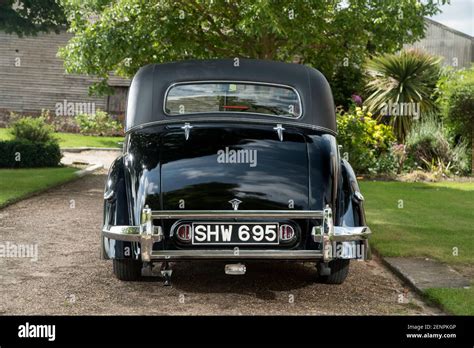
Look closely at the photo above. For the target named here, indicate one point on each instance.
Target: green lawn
(426, 220)
(76, 140)
(18, 183)
(434, 219)
(456, 301)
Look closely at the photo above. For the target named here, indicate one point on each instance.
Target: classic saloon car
(232, 160)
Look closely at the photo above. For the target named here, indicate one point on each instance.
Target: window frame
(227, 112)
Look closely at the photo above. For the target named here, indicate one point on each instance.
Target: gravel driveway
(70, 278)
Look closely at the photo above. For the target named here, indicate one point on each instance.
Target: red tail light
(184, 233)
(287, 232)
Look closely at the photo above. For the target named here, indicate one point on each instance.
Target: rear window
(241, 97)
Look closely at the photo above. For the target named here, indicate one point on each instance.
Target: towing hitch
(166, 272)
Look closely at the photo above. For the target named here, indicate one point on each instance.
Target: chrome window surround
(229, 112)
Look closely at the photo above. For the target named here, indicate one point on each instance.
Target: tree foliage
(28, 17)
(122, 35)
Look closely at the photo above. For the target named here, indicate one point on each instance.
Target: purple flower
(357, 99)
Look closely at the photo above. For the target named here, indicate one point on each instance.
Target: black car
(232, 160)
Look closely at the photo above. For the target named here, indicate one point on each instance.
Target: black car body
(232, 160)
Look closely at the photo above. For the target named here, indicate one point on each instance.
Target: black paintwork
(149, 86)
(161, 168)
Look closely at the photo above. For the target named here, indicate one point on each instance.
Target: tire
(339, 271)
(127, 269)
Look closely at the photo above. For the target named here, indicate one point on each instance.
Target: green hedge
(25, 154)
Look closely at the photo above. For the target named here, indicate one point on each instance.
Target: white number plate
(217, 233)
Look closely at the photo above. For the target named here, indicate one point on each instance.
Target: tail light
(287, 232)
(184, 232)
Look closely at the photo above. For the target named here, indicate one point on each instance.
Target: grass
(432, 220)
(19, 183)
(456, 301)
(76, 140)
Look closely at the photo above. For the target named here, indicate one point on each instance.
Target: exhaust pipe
(235, 269)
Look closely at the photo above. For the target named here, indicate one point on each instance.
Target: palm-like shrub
(394, 80)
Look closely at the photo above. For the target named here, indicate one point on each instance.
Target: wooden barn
(455, 47)
(32, 78)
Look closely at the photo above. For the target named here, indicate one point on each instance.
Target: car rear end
(224, 187)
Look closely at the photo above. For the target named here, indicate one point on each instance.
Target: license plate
(235, 233)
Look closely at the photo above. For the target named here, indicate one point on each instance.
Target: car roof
(150, 84)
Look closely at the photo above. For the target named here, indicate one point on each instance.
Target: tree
(28, 17)
(401, 87)
(122, 35)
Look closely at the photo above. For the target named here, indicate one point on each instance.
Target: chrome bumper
(343, 242)
(146, 234)
(179, 255)
(327, 234)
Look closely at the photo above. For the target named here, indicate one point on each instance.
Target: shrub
(66, 124)
(26, 154)
(347, 81)
(99, 123)
(456, 97)
(33, 129)
(366, 142)
(429, 147)
(397, 79)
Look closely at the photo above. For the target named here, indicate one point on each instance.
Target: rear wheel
(339, 271)
(127, 269)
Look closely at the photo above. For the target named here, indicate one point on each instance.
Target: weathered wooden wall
(33, 78)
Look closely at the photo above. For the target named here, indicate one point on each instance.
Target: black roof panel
(148, 88)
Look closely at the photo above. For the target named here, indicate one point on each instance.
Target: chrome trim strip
(108, 194)
(221, 119)
(359, 196)
(201, 82)
(191, 214)
(240, 254)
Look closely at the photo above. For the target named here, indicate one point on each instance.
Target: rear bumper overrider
(336, 241)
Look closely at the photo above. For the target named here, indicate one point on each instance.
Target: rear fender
(352, 201)
(117, 212)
